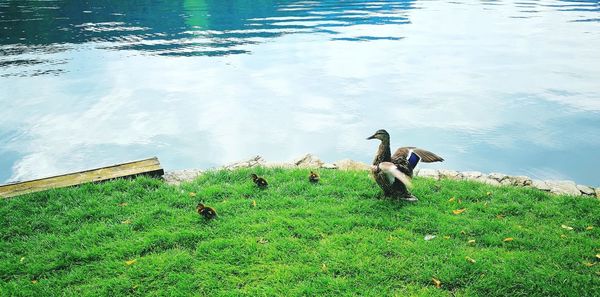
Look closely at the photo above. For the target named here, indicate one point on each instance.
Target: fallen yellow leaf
(463, 232)
(470, 259)
(126, 222)
(436, 282)
(253, 203)
(458, 211)
(563, 236)
(566, 227)
(588, 264)
(34, 281)
(130, 262)
(262, 240)
(508, 239)
(324, 267)
(192, 194)
(589, 228)
(135, 287)
(22, 259)
(598, 256)
(446, 237)
(471, 241)
(451, 199)
(123, 204)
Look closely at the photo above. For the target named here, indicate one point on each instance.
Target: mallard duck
(259, 181)
(313, 177)
(206, 211)
(393, 173)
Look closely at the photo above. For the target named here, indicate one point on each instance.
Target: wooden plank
(147, 167)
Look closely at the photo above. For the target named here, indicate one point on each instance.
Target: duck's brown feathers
(426, 156)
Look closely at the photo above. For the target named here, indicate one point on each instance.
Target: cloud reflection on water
(486, 91)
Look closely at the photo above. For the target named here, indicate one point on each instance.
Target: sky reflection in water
(489, 85)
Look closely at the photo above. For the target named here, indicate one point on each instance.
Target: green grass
(339, 237)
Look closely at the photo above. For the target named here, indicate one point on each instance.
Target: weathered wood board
(146, 167)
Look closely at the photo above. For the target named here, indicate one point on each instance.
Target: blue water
(508, 86)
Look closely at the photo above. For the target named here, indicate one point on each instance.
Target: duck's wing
(425, 155)
(391, 170)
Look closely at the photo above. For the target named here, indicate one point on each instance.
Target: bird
(393, 173)
(259, 181)
(313, 177)
(206, 211)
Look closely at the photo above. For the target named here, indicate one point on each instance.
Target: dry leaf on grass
(458, 211)
(130, 262)
(446, 237)
(436, 282)
(123, 204)
(126, 222)
(34, 281)
(471, 241)
(508, 239)
(22, 259)
(429, 237)
(451, 199)
(589, 228)
(589, 264)
(598, 256)
(253, 203)
(262, 240)
(470, 259)
(324, 267)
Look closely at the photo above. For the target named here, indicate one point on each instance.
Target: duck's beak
(371, 137)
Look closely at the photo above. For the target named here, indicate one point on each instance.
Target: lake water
(507, 86)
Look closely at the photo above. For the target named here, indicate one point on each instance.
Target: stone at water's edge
(585, 190)
(256, 161)
(450, 174)
(540, 185)
(329, 166)
(597, 193)
(309, 161)
(497, 176)
(486, 180)
(179, 176)
(348, 164)
(563, 187)
(516, 181)
(429, 173)
(471, 175)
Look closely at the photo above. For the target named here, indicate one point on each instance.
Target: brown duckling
(259, 181)
(313, 177)
(206, 211)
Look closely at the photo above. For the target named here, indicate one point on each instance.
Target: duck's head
(381, 135)
(254, 176)
(200, 206)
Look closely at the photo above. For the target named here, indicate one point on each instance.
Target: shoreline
(558, 187)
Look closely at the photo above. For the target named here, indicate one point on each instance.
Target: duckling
(206, 211)
(259, 181)
(313, 177)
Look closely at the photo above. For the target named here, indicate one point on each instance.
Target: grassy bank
(339, 237)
